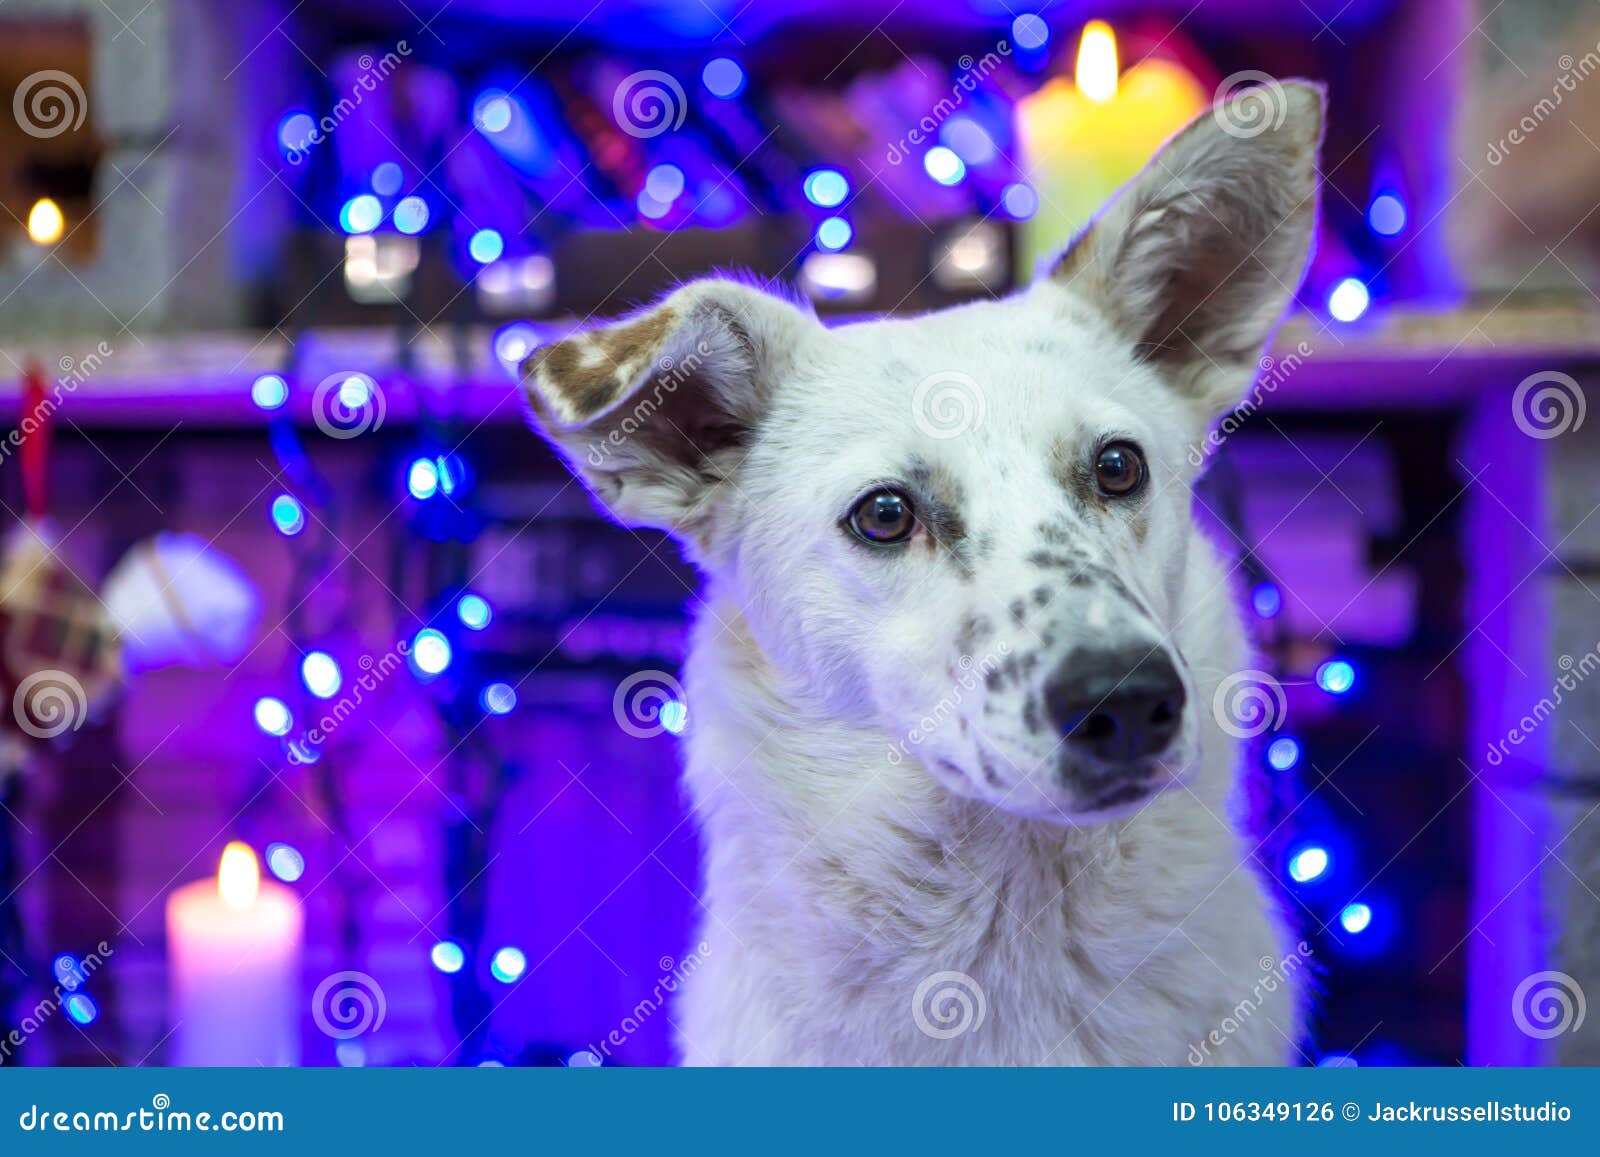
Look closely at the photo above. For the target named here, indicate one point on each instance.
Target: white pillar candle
(233, 963)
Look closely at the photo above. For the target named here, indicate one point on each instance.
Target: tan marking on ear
(584, 374)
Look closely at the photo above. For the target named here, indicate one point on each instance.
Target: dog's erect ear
(1195, 259)
(654, 411)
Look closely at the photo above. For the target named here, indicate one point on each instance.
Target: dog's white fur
(878, 800)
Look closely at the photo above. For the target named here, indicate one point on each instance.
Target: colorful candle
(1081, 139)
(233, 953)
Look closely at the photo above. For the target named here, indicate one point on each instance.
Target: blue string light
(321, 674)
(1283, 753)
(498, 698)
(285, 862)
(834, 234)
(448, 957)
(430, 652)
(508, 965)
(269, 391)
(1309, 864)
(422, 478)
(1355, 918)
(826, 188)
(723, 77)
(273, 716)
(1336, 677)
(288, 515)
(473, 611)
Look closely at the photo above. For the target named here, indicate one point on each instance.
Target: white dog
(952, 744)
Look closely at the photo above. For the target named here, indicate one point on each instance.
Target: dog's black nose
(1116, 705)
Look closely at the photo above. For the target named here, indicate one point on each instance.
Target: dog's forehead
(978, 379)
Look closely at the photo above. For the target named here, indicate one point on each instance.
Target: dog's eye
(883, 518)
(1119, 469)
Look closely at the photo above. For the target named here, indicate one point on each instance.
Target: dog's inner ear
(1195, 259)
(655, 411)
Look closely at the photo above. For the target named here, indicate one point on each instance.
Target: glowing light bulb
(498, 698)
(1267, 600)
(285, 862)
(361, 214)
(834, 234)
(1096, 73)
(411, 215)
(1283, 753)
(288, 515)
(508, 964)
(674, 716)
(1020, 201)
(272, 716)
(1308, 864)
(1349, 300)
(943, 165)
(269, 391)
(473, 611)
(448, 957)
(723, 77)
(1336, 676)
(826, 188)
(238, 876)
(422, 479)
(430, 651)
(486, 245)
(321, 674)
(1355, 918)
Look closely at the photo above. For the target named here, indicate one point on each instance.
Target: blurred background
(343, 731)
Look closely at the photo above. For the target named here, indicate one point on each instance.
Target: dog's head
(968, 530)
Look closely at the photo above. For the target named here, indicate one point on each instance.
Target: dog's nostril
(1163, 713)
(1097, 727)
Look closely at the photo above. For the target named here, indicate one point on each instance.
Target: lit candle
(233, 955)
(1082, 140)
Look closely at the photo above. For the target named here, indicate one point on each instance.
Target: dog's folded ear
(654, 411)
(1195, 259)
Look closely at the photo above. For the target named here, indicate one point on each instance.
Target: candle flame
(238, 876)
(1097, 62)
(45, 222)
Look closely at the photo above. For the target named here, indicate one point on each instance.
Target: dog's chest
(1020, 955)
